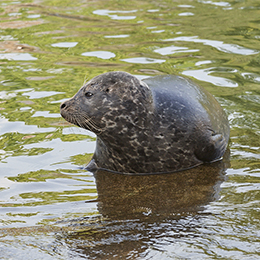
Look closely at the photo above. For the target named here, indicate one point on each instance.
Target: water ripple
(17, 56)
(113, 14)
(219, 45)
(204, 75)
(105, 55)
(64, 44)
(143, 60)
(172, 50)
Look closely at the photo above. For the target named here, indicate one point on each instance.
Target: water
(50, 208)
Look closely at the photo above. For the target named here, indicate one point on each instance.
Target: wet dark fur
(169, 126)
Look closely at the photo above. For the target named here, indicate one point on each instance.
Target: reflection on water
(204, 75)
(122, 196)
(17, 56)
(137, 212)
(113, 14)
(221, 46)
(143, 60)
(100, 54)
(50, 207)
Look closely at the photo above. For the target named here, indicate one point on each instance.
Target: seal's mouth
(68, 113)
(68, 117)
(79, 118)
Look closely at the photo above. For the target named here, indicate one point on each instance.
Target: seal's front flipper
(212, 148)
(92, 166)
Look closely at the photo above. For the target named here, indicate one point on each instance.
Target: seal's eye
(88, 94)
(107, 90)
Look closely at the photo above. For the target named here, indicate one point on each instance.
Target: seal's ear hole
(107, 90)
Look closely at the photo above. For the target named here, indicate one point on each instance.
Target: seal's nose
(63, 105)
(64, 108)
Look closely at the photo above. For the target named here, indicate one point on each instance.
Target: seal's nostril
(63, 105)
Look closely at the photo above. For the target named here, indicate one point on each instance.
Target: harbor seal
(158, 125)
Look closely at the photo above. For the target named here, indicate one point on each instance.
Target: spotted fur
(158, 125)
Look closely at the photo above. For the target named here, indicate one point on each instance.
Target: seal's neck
(120, 151)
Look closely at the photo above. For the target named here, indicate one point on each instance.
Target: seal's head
(109, 102)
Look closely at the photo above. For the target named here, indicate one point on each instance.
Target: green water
(50, 207)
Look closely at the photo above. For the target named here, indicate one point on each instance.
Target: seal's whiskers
(86, 78)
(89, 121)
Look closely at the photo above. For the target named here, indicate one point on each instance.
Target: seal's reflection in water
(140, 212)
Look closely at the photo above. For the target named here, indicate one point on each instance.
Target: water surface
(50, 207)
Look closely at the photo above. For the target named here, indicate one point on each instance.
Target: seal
(158, 125)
